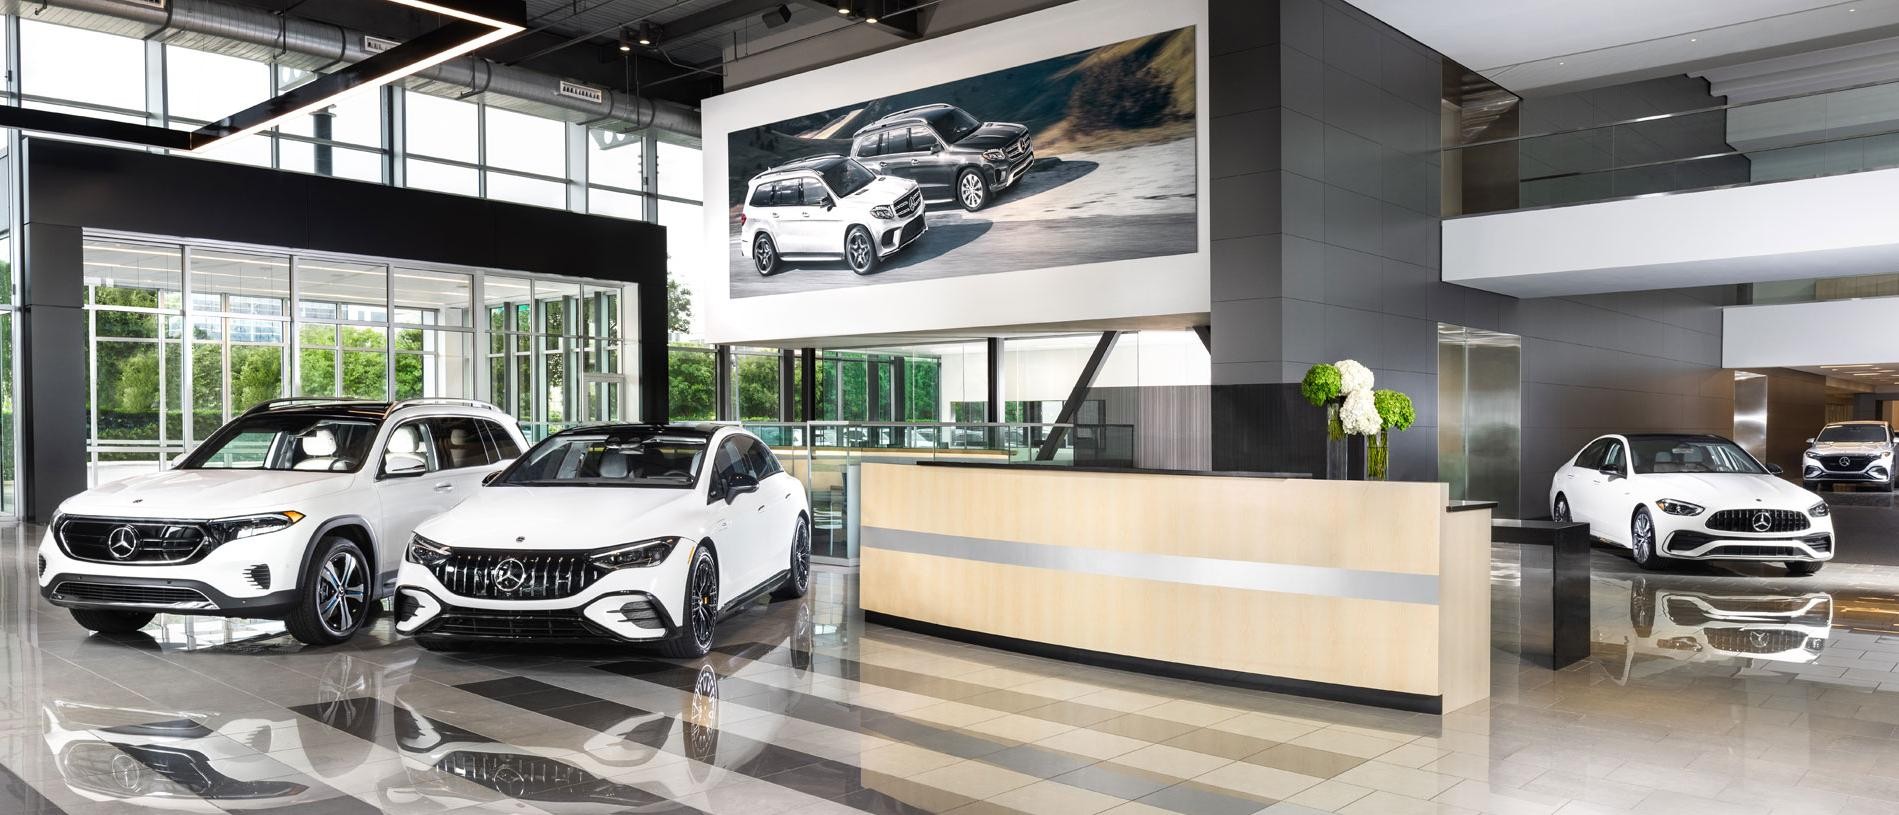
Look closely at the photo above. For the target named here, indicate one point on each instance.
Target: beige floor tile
(1413, 755)
(1198, 714)
(954, 714)
(1380, 802)
(974, 779)
(1171, 761)
(1305, 760)
(904, 760)
(1405, 781)
(1052, 798)
(1267, 726)
(1482, 797)
(1138, 808)
(1329, 795)
(1017, 727)
(1215, 742)
(1348, 742)
(1092, 743)
(1253, 779)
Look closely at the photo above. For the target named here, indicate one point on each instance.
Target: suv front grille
(158, 542)
(544, 575)
(1019, 147)
(909, 203)
(475, 622)
(1746, 520)
(128, 594)
(1755, 640)
(1839, 463)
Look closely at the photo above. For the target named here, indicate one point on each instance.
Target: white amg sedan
(1690, 497)
(639, 533)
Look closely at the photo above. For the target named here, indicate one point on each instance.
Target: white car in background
(1850, 453)
(298, 510)
(637, 533)
(1691, 497)
(828, 208)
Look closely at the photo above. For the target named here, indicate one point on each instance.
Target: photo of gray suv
(1850, 453)
(951, 155)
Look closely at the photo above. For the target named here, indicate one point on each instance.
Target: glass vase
(1377, 456)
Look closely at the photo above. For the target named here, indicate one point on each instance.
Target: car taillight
(741, 219)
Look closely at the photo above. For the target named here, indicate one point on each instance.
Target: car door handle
(759, 508)
(719, 527)
(444, 487)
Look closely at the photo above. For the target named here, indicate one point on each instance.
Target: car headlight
(883, 212)
(1810, 454)
(1885, 454)
(230, 529)
(1820, 510)
(995, 155)
(1674, 507)
(635, 555)
(426, 552)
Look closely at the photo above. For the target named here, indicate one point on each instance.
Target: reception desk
(1368, 592)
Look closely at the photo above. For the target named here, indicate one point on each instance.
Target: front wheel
(765, 254)
(1560, 511)
(1802, 568)
(701, 609)
(860, 250)
(972, 190)
(107, 621)
(335, 599)
(1642, 540)
(799, 581)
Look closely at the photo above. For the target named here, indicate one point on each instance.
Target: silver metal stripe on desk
(1328, 581)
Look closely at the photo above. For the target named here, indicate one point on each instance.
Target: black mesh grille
(158, 541)
(406, 606)
(1755, 640)
(1749, 520)
(116, 593)
(554, 624)
(544, 575)
(911, 230)
(1759, 551)
(42, 565)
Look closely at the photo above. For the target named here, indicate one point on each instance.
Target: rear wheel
(107, 621)
(1802, 568)
(335, 597)
(764, 254)
(799, 581)
(1642, 540)
(701, 609)
(860, 250)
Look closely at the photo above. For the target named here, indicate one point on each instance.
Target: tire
(1642, 540)
(107, 621)
(332, 604)
(701, 609)
(972, 190)
(860, 250)
(1559, 511)
(764, 255)
(799, 582)
(1802, 568)
(1641, 608)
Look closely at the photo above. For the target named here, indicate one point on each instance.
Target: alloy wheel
(801, 556)
(763, 254)
(971, 190)
(342, 593)
(1644, 537)
(1562, 510)
(859, 247)
(705, 601)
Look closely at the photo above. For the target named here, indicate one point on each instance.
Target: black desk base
(1554, 605)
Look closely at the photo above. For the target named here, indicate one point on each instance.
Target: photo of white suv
(828, 208)
(1850, 453)
(298, 510)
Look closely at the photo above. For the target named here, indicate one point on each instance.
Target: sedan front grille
(549, 624)
(1758, 521)
(120, 540)
(492, 575)
(1755, 640)
(170, 596)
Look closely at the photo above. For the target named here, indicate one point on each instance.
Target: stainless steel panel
(1480, 415)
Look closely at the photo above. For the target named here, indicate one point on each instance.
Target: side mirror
(936, 148)
(1610, 470)
(1776, 469)
(490, 478)
(1809, 442)
(738, 484)
(827, 202)
(403, 465)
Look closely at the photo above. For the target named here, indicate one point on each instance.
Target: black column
(787, 394)
(52, 361)
(873, 385)
(899, 389)
(994, 412)
(323, 125)
(722, 382)
(808, 384)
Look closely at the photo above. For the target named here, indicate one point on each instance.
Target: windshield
(954, 124)
(638, 458)
(286, 442)
(846, 177)
(1855, 433)
(1691, 456)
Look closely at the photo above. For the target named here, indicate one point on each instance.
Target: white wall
(1098, 293)
(1836, 226)
(1829, 332)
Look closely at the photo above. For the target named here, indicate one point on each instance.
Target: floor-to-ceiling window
(182, 338)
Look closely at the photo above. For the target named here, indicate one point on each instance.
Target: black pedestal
(1555, 588)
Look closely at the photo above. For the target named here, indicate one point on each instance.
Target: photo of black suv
(949, 154)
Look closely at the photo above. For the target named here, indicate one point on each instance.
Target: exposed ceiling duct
(253, 33)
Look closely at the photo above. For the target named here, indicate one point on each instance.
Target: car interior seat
(464, 448)
(404, 451)
(613, 464)
(318, 447)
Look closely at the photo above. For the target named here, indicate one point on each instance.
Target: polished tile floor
(1709, 690)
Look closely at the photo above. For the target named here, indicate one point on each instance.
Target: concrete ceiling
(1538, 47)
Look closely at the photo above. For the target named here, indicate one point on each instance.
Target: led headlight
(995, 155)
(230, 529)
(1820, 510)
(426, 552)
(884, 212)
(1674, 507)
(635, 555)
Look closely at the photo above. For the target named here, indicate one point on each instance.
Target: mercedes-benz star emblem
(1763, 521)
(1845, 462)
(122, 544)
(509, 575)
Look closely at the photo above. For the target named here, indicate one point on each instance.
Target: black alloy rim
(801, 556)
(705, 601)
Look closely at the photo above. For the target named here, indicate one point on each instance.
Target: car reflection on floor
(1634, 620)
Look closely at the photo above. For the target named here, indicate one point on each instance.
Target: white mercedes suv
(298, 510)
(640, 533)
(827, 208)
(1691, 497)
(1850, 453)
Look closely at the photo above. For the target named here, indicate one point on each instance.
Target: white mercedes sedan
(636, 533)
(1691, 497)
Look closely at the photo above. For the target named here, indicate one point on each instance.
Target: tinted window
(1706, 455)
(762, 462)
(729, 462)
(642, 457)
(784, 194)
(1856, 432)
(922, 138)
(846, 177)
(409, 446)
(286, 442)
(868, 145)
(500, 442)
(459, 443)
(1614, 457)
(896, 141)
(953, 123)
(1591, 456)
(761, 197)
(814, 193)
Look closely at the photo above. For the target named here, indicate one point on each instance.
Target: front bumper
(1701, 544)
(253, 577)
(895, 235)
(633, 605)
(1006, 176)
(1878, 471)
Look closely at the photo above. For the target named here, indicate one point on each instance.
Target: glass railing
(1847, 130)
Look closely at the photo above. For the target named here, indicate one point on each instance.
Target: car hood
(560, 518)
(885, 189)
(1718, 491)
(993, 135)
(189, 494)
(1851, 448)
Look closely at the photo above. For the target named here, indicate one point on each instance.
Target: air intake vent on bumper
(259, 576)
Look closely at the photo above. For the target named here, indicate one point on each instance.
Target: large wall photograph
(1082, 158)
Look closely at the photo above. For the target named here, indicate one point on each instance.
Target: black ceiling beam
(715, 16)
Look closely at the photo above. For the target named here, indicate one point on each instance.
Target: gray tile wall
(1325, 207)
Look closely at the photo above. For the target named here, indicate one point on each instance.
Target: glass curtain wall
(182, 338)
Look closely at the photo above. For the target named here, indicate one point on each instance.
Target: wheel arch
(356, 528)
